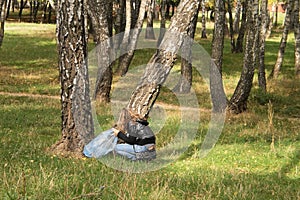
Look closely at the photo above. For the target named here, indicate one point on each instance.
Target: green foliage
(241, 166)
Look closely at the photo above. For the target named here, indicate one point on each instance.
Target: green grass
(244, 164)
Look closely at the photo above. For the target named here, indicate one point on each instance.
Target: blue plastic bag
(103, 144)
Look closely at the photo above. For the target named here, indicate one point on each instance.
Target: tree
(238, 101)
(203, 20)
(97, 11)
(231, 31)
(162, 21)
(119, 24)
(283, 41)
(185, 82)
(239, 47)
(159, 66)
(262, 43)
(149, 34)
(216, 84)
(77, 123)
(297, 38)
(127, 52)
(2, 19)
(237, 16)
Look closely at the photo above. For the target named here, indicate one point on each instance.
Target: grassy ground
(256, 157)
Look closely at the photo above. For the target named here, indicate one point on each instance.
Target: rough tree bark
(287, 25)
(297, 38)
(97, 11)
(231, 31)
(236, 22)
(149, 34)
(162, 21)
(203, 20)
(159, 66)
(185, 82)
(133, 35)
(77, 123)
(2, 19)
(216, 84)
(238, 101)
(239, 47)
(119, 24)
(262, 83)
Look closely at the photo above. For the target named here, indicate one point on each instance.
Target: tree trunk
(159, 66)
(236, 22)
(203, 20)
(149, 34)
(31, 10)
(216, 83)
(127, 56)
(44, 15)
(168, 9)
(35, 10)
(97, 11)
(77, 123)
(8, 9)
(283, 42)
(276, 15)
(262, 83)
(109, 11)
(123, 47)
(119, 23)
(239, 48)
(297, 38)
(162, 21)
(49, 13)
(238, 102)
(2, 19)
(185, 82)
(22, 5)
(231, 32)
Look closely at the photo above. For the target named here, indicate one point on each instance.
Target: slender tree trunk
(216, 83)
(297, 38)
(119, 24)
(13, 5)
(185, 82)
(109, 12)
(127, 56)
(77, 123)
(203, 20)
(126, 37)
(162, 21)
(262, 83)
(49, 13)
(2, 19)
(97, 11)
(22, 5)
(238, 102)
(149, 34)
(276, 15)
(236, 22)
(44, 15)
(8, 9)
(31, 10)
(35, 10)
(270, 25)
(240, 40)
(283, 42)
(161, 63)
(231, 32)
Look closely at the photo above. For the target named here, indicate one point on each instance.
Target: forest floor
(257, 156)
